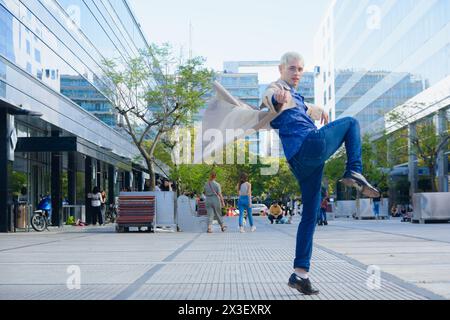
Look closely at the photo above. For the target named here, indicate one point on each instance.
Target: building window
(39, 74)
(329, 92)
(20, 37)
(29, 69)
(28, 47)
(53, 75)
(47, 73)
(37, 55)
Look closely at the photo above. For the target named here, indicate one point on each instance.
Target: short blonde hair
(288, 56)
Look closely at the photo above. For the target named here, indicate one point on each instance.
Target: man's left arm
(317, 113)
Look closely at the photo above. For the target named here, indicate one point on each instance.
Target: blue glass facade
(80, 91)
(243, 86)
(41, 38)
(51, 54)
(306, 87)
(375, 55)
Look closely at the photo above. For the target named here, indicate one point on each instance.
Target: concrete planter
(360, 209)
(431, 207)
(364, 209)
(345, 209)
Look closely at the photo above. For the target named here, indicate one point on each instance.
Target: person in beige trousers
(214, 202)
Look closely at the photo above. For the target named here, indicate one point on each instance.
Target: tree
(426, 144)
(155, 92)
(282, 186)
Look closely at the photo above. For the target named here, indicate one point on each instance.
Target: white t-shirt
(96, 200)
(243, 191)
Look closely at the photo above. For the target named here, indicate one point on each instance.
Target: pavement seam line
(140, 282)
(43, 243)
(389, 277)
(392, 234)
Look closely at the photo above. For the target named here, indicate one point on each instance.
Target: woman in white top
(96, 203)
(244, 189)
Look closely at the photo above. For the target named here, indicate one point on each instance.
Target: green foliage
(70, 221)
(193, 177)
(155, 92)
(18, 180)
(426, 144)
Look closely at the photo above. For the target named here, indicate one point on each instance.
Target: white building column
(442, 160)
(412, 160)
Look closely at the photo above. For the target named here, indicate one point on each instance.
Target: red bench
(136, 211)
(201, 211)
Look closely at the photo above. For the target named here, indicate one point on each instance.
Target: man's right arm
(268, 98)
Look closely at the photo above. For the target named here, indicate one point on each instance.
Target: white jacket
(226, 114)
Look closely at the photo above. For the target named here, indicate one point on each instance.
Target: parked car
(259, 209)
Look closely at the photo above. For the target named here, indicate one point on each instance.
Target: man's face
(292, 72)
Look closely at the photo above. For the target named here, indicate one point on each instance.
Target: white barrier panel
(344, 208)
(431, 206)
(187, 219)
(165, 207)
(364, 209)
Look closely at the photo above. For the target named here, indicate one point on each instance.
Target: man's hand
(282, 96)
(325, 118)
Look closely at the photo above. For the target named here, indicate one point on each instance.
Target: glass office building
(378, 56)
(80, 91)
(306, 87)
(55, 146)
(242, 85)
(375, 55)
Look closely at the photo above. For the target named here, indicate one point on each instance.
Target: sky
(234, 30)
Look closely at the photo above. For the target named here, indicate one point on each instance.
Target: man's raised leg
(348, 131)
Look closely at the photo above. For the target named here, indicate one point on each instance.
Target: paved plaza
(414, 261)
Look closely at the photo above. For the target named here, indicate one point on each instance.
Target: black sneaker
(302, 285)
(357, 180)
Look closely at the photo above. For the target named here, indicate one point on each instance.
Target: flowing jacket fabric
(228, 118)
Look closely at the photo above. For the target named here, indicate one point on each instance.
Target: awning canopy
(14, 110)
(72, 144)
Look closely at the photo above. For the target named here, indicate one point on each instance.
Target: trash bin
(21, 216)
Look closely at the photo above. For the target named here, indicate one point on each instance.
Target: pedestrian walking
(244, 189)
(96, 203)
(214, 202)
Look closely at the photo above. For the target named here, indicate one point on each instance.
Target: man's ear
(280, 68)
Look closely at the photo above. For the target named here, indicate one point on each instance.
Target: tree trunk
(151, 171)
(433, 178)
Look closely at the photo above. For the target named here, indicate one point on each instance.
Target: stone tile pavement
(226, 266)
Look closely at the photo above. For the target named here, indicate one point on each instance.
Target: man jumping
(307, 149)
